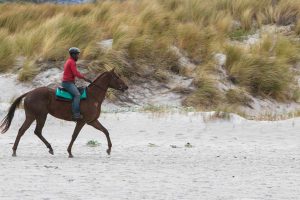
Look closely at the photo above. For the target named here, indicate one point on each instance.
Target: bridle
(101, 88)
(97, 86)
(113, 76)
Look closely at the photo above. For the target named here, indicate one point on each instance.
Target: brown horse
(40, 102)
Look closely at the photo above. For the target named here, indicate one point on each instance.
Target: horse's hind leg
(28, 121)
(96, 124)
(40, 122)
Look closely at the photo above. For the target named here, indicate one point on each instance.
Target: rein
(97, 86)
(101, 88)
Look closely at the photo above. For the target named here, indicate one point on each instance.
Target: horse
(40, 102)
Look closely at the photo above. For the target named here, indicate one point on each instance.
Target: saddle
(63, 95)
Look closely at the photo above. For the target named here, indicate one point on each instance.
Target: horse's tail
(5, 123)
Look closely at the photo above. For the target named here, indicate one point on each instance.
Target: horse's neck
(99, 92)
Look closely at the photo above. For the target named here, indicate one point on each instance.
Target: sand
(226, 159)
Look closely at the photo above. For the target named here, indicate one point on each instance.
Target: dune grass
(144, 33)
(297, 27)
(263, 76)
(238, 97)
(6, 51)
(207, 95)
(28, 71)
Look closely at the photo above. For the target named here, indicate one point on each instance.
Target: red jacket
(70, 71)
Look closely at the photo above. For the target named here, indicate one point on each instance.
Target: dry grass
(263, 76)
(287, 12)
(234, 54)
(207, 94)
(28, 71)
(7, 49)
(266, 68)
(297, 27)
(143, 33)
(237, 96)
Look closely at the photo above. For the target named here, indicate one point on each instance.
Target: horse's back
(42, 101)
(38, 94)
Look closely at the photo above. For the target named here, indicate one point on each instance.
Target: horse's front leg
(96, 124)
(77, 129)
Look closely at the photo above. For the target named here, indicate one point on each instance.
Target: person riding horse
(41, 101)
(68, 81)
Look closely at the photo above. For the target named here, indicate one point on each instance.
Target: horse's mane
(100, 75)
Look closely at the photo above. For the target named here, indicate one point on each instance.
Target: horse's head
(116, 82)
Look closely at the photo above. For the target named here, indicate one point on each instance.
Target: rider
(68, 81)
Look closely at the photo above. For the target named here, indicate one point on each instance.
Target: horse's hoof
(14, 155)
(71, 156)
(51, 152)
(108, 151)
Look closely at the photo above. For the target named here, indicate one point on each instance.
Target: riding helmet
(74, 50)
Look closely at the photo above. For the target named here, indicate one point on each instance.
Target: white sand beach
(227, 159)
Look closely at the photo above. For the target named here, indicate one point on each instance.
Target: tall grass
(237, 96)
(7, 50)
(207, 94)
(263, 76)
(234, 54)
(28, 71)
(144, 33)
(279, 47)
(287, 12)
(297, 27)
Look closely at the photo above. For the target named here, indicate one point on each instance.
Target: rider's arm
(75, 71)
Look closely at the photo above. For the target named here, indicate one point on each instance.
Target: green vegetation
(144, 33)
(93, 143)
(239, 34)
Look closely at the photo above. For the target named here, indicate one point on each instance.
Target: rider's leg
(71, 87)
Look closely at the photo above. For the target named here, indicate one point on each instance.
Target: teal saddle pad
(63, 94)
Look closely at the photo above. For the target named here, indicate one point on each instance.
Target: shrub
(263, 76)
(233, 54)
(237, 96)
(206, 95)
(28, 71)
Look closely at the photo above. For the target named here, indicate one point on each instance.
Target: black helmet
(74, 50)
